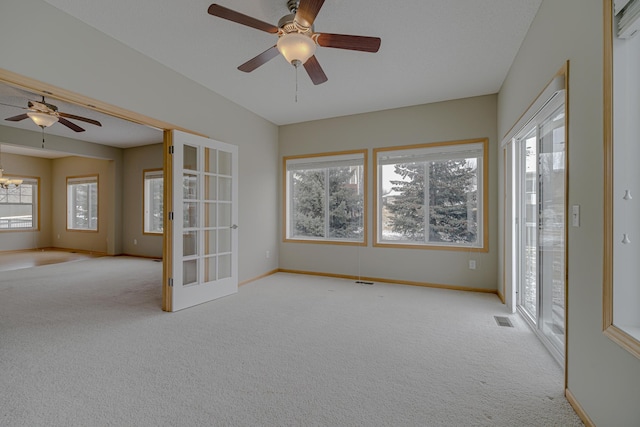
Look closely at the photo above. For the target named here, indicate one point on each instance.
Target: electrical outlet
(267, 254)
(135, 241)
(472, 264)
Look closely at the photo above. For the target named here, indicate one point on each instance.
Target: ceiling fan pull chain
(42, 127)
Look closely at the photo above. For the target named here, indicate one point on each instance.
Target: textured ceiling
(432, 50)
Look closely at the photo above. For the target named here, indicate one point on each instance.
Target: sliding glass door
(541, 212)
(551, 231)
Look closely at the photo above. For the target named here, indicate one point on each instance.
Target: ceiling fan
(44, 115)
(297, 40)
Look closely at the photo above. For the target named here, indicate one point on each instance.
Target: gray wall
(111, 187)
(136, 161)
(30, 167)
(68, 167)
(91, 64)
(603, 377)
(444, 121)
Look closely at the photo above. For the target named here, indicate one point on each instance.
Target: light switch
(575, 215)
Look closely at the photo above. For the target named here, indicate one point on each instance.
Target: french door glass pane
(189, 243)
(190, 161)
(224, 240)
(209, 214)
(189, 272)
(224, 215)
(210, 187)
(210, 269)
(224, 163)
(224, 189)
(210, 239)
(190, 186)
(224, 266)
(210, 160)
(190, 215)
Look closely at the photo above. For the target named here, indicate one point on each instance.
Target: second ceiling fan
(297, 40)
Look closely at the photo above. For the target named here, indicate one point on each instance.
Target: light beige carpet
(86, 344)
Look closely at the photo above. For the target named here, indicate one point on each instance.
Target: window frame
(620, 334)
(35, 210)
(155, 174)
(483, 198)
(70, 180)
(286, 199)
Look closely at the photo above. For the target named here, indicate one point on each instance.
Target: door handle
(233, 227)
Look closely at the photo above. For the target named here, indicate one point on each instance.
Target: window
(432, 195)
(325, 198)
(153, 201)
(621, 289)
(82, 203)
(19, 205)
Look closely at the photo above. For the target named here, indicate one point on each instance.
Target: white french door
(205, 213)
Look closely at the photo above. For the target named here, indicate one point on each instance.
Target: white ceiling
(432, 50)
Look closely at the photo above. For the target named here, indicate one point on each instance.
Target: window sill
(624, 339)
(326, 242)
(13, 230)
(430, 247)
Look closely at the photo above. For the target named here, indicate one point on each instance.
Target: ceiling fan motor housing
(288, 25)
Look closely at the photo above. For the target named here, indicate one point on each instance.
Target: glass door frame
(519, 205)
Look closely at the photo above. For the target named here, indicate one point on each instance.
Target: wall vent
(503, 321)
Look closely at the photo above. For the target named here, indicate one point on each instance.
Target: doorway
(539, 209)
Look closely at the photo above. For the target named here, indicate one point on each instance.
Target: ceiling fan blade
(344, 41)
(70, 125)
(232, 15)
(307, 11)
(18, 118)
(82, 119)
(315, 71)
(14, 106)
(259, 60)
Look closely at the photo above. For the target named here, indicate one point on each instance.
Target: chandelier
(5, 183)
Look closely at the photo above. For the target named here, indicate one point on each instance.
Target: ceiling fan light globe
(42, 119)
(296, 47)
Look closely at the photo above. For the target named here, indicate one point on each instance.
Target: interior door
(205, 213)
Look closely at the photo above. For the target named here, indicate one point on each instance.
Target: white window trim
(322, 161)
(90, 179)
(35, 209)
(146, 213)
(434, 152)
